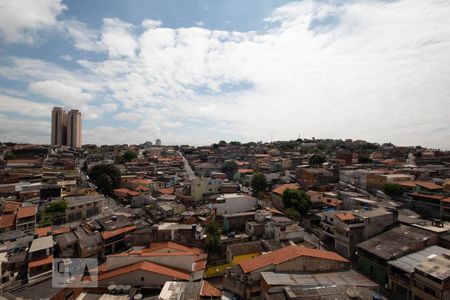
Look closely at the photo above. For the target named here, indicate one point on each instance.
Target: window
(142, 279)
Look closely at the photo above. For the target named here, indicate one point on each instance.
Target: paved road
(189, 172)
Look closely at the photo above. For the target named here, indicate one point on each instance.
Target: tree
(129, 156)
(393, 189)
(105, 183)
(212, 242)
(316, 160)
(259, 183)
(54, 213)
(230, 167)
(9, 156)
(364, 160)
(296, 200)
(101, 181)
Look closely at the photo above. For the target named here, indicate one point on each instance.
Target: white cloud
(109, 106)
(199, 23)
(129, 116)
(84, 38)
(24, 107)
(21, 21)
(372, 70)
(60, 91)
(118, 38)
(66, 57)
(24, 130)
(151, 24)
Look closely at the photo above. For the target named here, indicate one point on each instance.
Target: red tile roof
(8, 220)
(167, 191)
(285, 254)
(446, 199)
(26, 211)
(246, 171)
(126, 191)
(43, 231)
(429, 185)
(11, 206)
(208, 290)
(332, 201)
(171, 245)
(142, 181)
(436, 197)
(147, 267)
(280, 189)
(345, 216)
(112, 233)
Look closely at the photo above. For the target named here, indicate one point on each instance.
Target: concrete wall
(138, 278)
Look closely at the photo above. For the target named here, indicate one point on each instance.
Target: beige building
(74, 128)
(59, 126)
(66, 127)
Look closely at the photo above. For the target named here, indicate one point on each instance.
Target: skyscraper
(158, 142)
(59, 126)
(66, 127)
(74, 128)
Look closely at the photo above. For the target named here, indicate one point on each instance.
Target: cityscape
(245, 150)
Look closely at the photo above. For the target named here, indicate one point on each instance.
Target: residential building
(244, 279)
(234, 203)
(377, 181)
(315, 177)
(345, 229)
(374, 254)
(82, 207)
(401, 271)
(431, 278)
(74, 128)
(203, 186)
(151, 267)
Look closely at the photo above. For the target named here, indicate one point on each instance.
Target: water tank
(126, 289)
(119, 289)
(137, 297)
(111, 289)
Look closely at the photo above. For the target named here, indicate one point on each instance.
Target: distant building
(66, 128)
(59, 126)
(74, 129)
(158, 142)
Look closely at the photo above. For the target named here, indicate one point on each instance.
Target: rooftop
(285, 254)
(350, 277)
(437, 266)
(396, 242)
(41, 243)
(147, 267)
(408, 262)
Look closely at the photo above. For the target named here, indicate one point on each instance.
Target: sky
(196, 72)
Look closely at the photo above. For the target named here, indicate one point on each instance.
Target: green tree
(129, 156)
(101, 181)
(296, 200)
(316, 160)
(393, 189)
(230, 167)
(212, 242)
(9, 156)
(105, 183)
(54, 213)
(259, 183)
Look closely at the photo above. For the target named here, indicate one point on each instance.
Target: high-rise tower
(74, 128)
(59, 126)
(66, 128)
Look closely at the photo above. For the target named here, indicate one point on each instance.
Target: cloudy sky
(200, 71)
